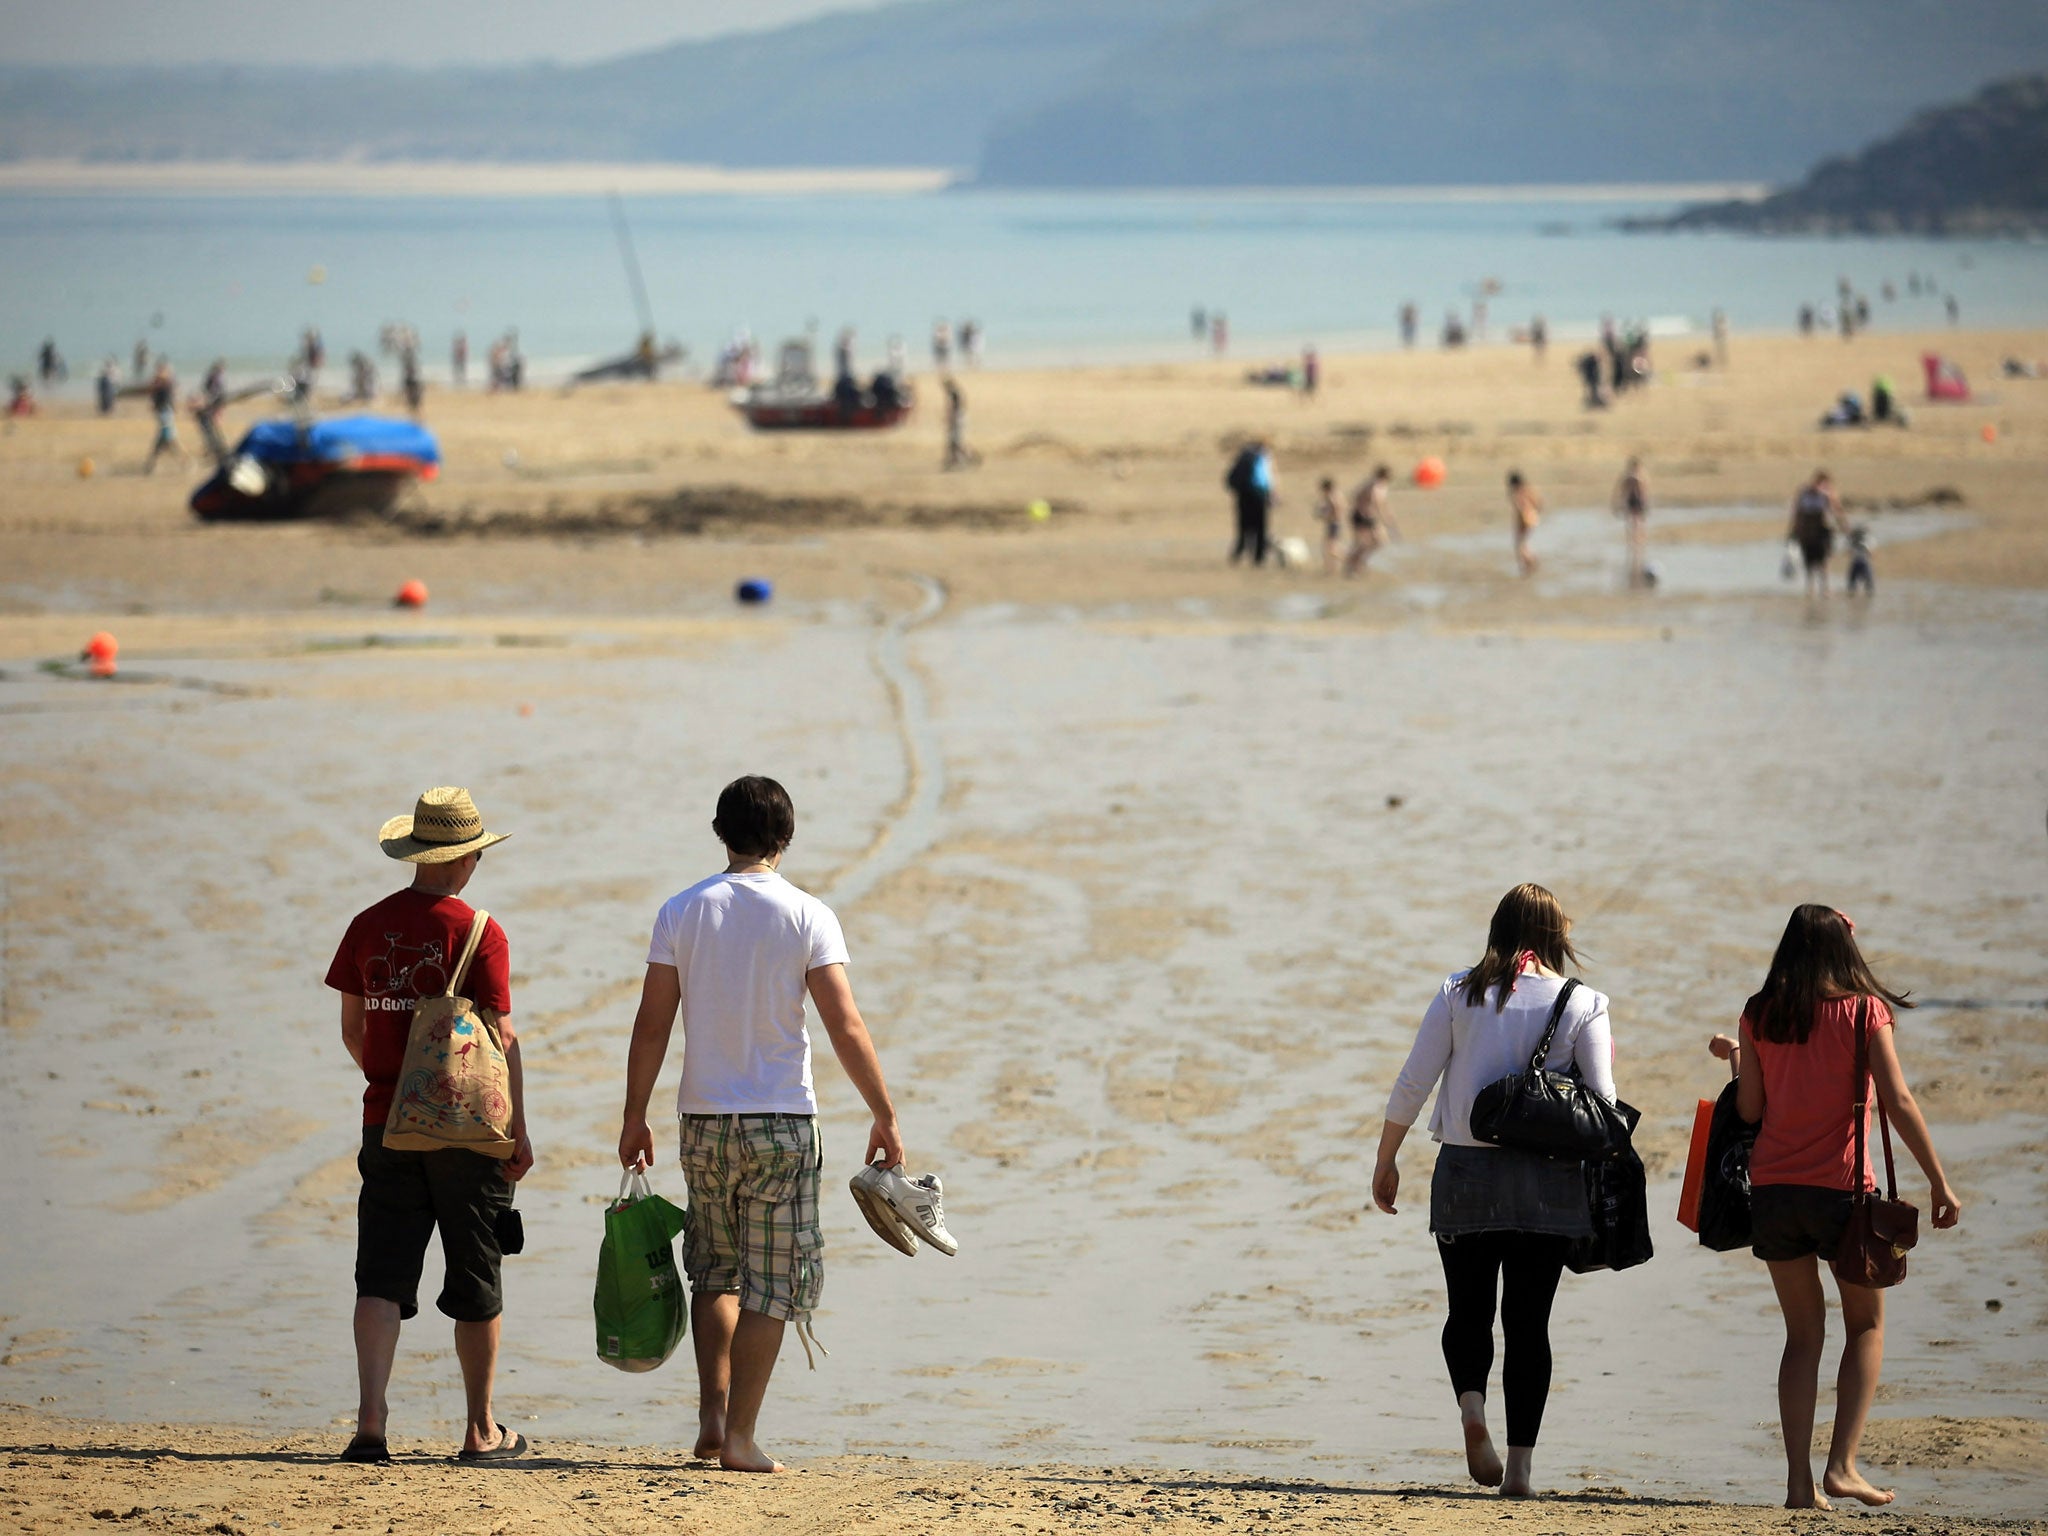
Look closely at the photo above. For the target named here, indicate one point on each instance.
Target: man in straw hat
(736, 954)
(400, 950)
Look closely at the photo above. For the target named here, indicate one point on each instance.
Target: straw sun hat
(443, 826)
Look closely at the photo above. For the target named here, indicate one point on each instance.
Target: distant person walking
(1311, 372)
(410, 381)
(1372, 519)
(1539, 339)
(50, 366)
(1816, 518)
(163, 404)
(458, 360)
(107, 386)
(1331, 516)
(405, 948)
(1525, 511)
(1632, 506)
(1410, 321)
(1502, 1219)
(958, 454)
(1588, 366)
(1797, 1073)
(1219, 333)
(1250, 482)
(942, 345)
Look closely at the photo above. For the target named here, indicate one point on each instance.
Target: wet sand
(1148, 867)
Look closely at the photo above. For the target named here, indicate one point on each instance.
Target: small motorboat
(769, 411)
(794, 402)
(286, 469)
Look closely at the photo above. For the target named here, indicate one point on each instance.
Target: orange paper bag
(1695, 1166)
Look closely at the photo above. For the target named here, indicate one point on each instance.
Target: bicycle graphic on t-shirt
(418, 970)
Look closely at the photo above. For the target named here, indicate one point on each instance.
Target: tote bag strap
(1564, 994)
(1864, 1087)
(476, 937)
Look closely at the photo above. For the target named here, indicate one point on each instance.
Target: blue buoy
(754, 589)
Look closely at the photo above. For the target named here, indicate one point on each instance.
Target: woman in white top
(1499, 1215)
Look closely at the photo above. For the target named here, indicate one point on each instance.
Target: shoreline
(488, 178)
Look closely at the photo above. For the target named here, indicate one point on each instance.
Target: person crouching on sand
(403, 949)
(1503, 1219)
(1795, 1066)
(736, 954)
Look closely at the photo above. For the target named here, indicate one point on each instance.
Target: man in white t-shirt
(736, 954)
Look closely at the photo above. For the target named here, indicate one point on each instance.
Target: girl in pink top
(1795, 1068)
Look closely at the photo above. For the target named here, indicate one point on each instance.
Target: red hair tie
(1845, 917)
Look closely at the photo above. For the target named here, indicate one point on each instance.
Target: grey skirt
(1495, 1189)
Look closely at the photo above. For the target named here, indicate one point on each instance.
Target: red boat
(771, 411)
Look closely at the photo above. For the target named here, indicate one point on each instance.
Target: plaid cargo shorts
(754, 1211)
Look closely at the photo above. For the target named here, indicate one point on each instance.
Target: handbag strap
(1864, 1088)
(476, 937)
(1564, 994)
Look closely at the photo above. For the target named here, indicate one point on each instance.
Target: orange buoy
(99, 654)
(1429, 474)
(412, 595)
(526, 711)
(1989, 433)
(86, 467)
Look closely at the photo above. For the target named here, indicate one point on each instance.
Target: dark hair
(1817, 959)
(1514, 479)
(1382, 473)
(1329, 484)
(754, 817)
(1527, 919)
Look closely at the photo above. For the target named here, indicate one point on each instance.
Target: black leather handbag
(1724, 1192)
(1552, 1114)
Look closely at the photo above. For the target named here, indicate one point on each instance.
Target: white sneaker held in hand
(881, 1215)
(920, 1202)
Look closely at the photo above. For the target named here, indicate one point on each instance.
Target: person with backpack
(407, 948)
(1503, 1219)
(1250, 483)
(1804, 1074)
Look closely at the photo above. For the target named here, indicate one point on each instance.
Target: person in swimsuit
(1527, 508)
(1372, 520)
(1632, 505)
(1816, 514)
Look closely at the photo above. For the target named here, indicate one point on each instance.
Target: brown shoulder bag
(1880, 1232)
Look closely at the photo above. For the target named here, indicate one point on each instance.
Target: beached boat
(285, 469)
(770, 410)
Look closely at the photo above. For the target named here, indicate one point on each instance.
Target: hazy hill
(1978, 166)
(1475, 91)
(911, 84)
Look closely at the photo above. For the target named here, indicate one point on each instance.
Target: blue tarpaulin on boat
(339, 440)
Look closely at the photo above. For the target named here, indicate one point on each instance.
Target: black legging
(1251, 530)
(1474, 1265)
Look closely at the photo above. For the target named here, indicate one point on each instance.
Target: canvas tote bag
(454, 1089)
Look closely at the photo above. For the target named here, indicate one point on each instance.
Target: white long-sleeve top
(1469, 1046)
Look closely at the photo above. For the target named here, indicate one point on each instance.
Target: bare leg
(1855, 1387)
(756, 1341)
(476, 1346)
(1481, 1459)
(1806, 1325)
(376, 1326)
(711, 1320)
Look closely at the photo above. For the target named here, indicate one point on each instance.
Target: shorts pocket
(808, 1280)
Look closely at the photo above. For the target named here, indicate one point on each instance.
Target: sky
(424, 32)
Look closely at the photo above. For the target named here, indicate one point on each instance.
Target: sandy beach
(1148, 866)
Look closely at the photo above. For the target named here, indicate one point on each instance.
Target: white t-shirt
(742, 946)
(1469, 1047)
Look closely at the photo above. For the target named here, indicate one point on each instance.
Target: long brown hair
(1817, 959)
(1527, 919)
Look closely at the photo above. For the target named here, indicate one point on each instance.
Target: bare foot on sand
(1518, 1481)
(1807, 1497)
(710, 1436)
(1848, 1483)
(1481, 1460)
(744, 1456)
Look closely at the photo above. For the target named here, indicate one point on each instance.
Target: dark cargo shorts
(406, 1195)
(1790, 1221)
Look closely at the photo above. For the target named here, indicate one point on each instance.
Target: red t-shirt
(399, 951)
(1809, 1130)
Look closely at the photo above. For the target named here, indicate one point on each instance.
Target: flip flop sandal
(511, 1445)
(369, 1452)
(889, 1227)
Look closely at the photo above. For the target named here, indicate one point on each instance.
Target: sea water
(1051, 277)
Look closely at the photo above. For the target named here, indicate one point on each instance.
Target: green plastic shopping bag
(642, 1308)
